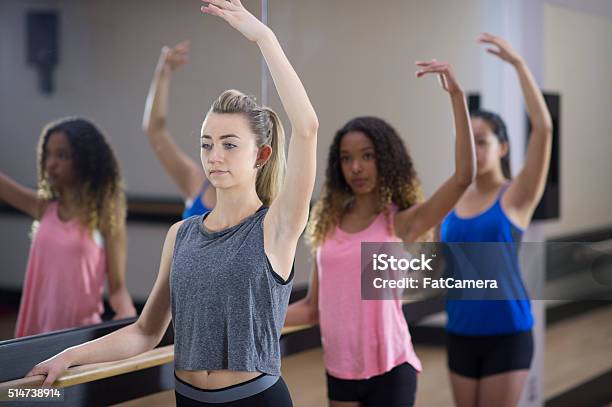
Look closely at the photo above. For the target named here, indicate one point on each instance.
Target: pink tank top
(64, 280)
(361, 338)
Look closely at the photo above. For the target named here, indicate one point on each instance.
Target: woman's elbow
(309, 127)
(465, 178)
(151, 337)
(546, 130)
(314, 124)
(313, 316)
(151, 125)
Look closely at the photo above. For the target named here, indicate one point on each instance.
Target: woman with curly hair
(372, 194)
(79, 234)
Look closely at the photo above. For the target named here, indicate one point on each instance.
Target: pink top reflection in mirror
(64, 280)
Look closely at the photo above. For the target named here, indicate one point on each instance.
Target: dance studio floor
(577, 349)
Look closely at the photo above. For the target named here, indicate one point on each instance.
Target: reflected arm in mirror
(187, 174)
(20, 197)
(116, 258)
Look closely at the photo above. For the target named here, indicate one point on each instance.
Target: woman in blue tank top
(186, 173)
(490, 345)
(225, 276)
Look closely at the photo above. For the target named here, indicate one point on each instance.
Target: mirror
(97, 61)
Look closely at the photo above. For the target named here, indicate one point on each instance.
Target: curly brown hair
(397, 179)
(101, 186)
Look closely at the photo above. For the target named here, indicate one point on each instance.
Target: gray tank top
(228, 306)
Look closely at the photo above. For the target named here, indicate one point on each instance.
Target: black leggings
(276, 395)
(396, 387)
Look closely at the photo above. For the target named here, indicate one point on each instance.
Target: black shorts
(480, 356)
(263, 391)
(396, 387)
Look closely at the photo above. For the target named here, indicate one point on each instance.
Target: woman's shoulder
(48, 205)
(47, 208)
(179, 227)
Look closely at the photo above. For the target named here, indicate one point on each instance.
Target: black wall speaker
(42, 41)
(473, 101)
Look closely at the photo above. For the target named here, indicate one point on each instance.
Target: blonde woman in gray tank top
(225, 277)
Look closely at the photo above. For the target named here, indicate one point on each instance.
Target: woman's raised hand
(238, 17)
(175, 57)
(502, 48)
(445, 74)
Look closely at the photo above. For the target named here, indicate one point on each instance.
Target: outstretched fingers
(444, 71)
(213, 10)
(489, 39)
(432, 66)
(494, 51)
(182, 46)
(224, 4)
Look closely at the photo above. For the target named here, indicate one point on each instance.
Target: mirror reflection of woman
(79, 234)
(187, 174)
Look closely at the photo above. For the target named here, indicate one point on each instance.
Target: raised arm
(132, 340)
(527, 188)
(288, 213)
(413, 222)
(184, 171)
(20, 197)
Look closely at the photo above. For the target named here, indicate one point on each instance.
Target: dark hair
(96, 168)
(397, 178)
(499, 129)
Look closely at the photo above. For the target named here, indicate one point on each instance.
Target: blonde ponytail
(270, 176)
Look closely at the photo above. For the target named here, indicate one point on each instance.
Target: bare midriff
(215, 379)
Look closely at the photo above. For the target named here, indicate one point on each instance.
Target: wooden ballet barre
(97, 371)
(92, 372)
(297, 328)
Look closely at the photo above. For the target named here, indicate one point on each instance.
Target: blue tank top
(489, 317)
(197, 206)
